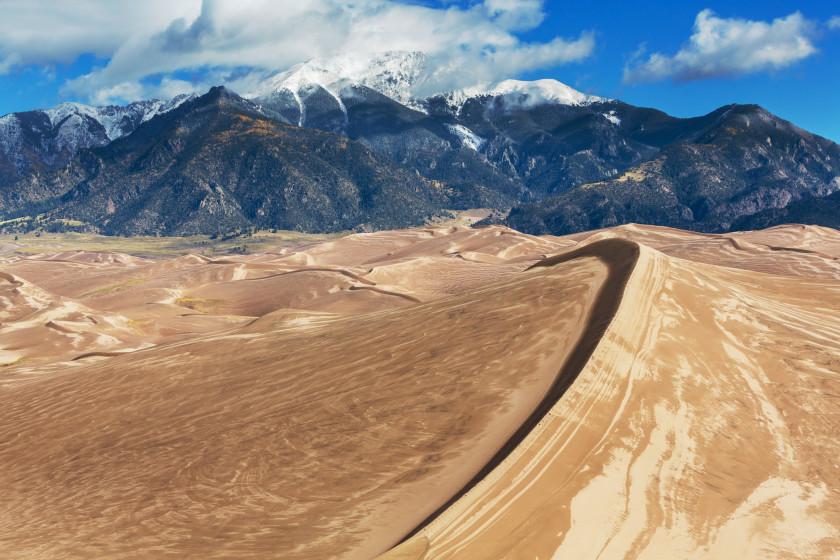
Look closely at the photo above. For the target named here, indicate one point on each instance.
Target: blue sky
(683, 58)
(806, 92)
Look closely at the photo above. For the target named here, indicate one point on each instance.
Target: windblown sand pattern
(637, 392)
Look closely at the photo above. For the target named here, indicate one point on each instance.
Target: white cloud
(171, 87)
(516, 15)
(834, 23)
(46, 32)
(721, 48)
(113, 94)
(459, 69)
(158, 41)
(8, 61)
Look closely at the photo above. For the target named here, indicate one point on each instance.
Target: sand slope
(156, 301)
(299, 443)
(702, 427)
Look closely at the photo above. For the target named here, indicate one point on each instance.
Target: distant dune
(635, 392)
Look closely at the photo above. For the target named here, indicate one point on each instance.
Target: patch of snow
(301, 106)
(611, 116)
(468, 138)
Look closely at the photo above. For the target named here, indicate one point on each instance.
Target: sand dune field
(433, 393)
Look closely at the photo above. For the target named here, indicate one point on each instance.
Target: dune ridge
(624, 465)
(620, 258)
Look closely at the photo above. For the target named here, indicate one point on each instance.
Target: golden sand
(637, 392)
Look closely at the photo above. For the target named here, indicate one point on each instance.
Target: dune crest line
(620, 256)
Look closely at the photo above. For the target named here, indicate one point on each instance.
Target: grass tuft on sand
(197, 304)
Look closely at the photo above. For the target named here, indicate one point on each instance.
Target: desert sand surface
(439, 392)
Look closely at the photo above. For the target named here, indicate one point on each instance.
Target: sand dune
(300, 443)
(38, 328)
(637, 392)
(793, 250)
(701, 427)
(174, 299)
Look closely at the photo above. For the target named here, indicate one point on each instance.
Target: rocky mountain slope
(749, 162)
(34, 141)
(526, 141)
(823, 211)
(216, 164)
(563, 160)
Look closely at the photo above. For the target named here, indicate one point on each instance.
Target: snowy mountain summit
(393, 74)
(116, 121)
(521, 94)
(533, 93)
(406, 77)
(53, 135)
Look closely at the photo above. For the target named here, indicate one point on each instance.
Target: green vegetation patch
(255, 241)
(198, 304)
(114, 287)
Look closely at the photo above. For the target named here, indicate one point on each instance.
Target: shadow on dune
(620, 257)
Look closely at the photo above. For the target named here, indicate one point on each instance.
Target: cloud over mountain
(182, 44)
(728, 48)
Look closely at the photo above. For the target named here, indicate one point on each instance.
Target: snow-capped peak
(544, 91)
(113, 117)
(70, 126)
(400, 75)
(518, 93)
(394, 74)
(298, 77)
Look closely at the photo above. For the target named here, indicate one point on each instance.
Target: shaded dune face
(642, 392)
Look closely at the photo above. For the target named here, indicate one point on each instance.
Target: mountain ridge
(216, 164)
(748, 162)
(562, 160)
(50, 137)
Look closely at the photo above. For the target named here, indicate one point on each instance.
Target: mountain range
(358, 144)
